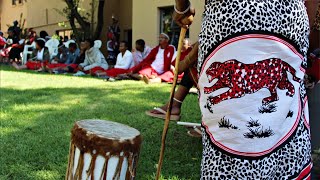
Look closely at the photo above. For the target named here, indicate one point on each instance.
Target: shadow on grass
(36, 124)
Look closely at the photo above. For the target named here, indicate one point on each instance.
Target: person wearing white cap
(157, 62)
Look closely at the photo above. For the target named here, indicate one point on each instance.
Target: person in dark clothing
(16, 49)
(43, 34)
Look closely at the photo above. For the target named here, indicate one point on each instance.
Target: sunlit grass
(39, 110)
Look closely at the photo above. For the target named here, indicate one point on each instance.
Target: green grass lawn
(39, 110)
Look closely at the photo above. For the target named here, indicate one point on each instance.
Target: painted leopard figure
(249, 78)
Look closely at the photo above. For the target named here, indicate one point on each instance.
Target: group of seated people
(12, 46)
(143, 63)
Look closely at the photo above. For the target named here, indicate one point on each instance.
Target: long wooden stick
(166, 123)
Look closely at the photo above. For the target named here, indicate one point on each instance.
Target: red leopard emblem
(249, 78)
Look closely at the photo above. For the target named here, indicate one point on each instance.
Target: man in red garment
(168, 76)
(157, 62)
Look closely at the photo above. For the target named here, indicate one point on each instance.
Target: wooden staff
(174, 84)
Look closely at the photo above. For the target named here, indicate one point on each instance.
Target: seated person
(169, 75)
(17, 46)
(2, 41)
(141, 52)
(123, 64)
(77, 59)
(94, 60)
(11, 42)
(39, 60)
(61, 57)
(31, 37)
(4, 53)
(65, 56)
(157, 62)
(12, 35)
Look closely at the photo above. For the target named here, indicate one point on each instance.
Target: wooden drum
(103, 150)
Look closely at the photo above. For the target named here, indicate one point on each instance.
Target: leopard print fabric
(281, 165)
(258, 76)
(316, 25)
(227, 17)
(223, 20)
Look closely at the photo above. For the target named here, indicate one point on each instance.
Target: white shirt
(158, 63)
(138, 56)
(40, 55)
(125, 61)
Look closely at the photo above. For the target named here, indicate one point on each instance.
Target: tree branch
(74, 11)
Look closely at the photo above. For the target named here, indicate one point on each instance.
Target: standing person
(16, 28)
(124, 62)
(252, 59)
(115, 29)
(141, 51)
(111, 45)
(16, 48)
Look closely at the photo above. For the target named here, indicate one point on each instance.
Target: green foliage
(56, 37)
(39, 110)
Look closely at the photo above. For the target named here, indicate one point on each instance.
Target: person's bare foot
(15, 65)
(174, 111)
(146, 79)
(136, 76)
(100, 73)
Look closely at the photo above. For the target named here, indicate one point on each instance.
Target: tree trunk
(99, 27)
(74, 27)
(85, 26)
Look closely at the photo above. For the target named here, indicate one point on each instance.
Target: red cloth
(168, 76)
(2, 42)
(314, 70)
(5, 52)
(148, 71)
(94, 70)
(59, 65)
(74, 66)
(168, 54)
(115, 72)
(183, 56)
(35, 65)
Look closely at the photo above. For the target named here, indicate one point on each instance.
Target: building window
(64, 35)
(168, 26)
(14, 2)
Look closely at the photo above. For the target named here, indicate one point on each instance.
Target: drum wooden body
(103, 150)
